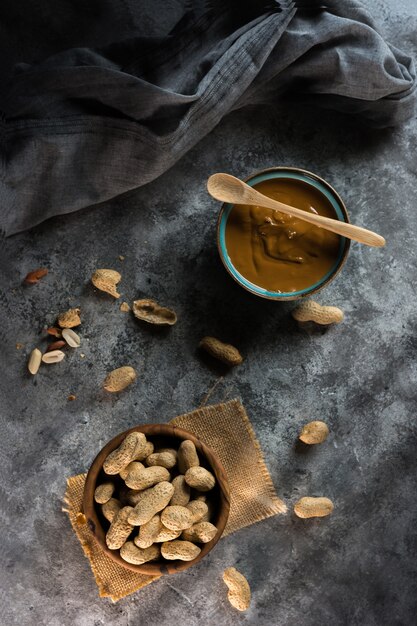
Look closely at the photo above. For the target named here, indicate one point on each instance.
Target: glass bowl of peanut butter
(274, 255)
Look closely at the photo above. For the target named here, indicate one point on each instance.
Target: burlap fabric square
(225, 428)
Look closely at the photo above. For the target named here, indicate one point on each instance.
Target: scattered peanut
(110, 509)
(33, 277)
(164, 458)
(151, 312)
(313, 507)
(187, 456)
(200, 533)
(104, 492)
(69, 319)
(142, 478)
(137, 556)
(71, 337)
(55, 356)
(314, 432)
(182, 494)
(200, 478)
(106, 280)
(310, 311)
(123, 455)
(239, 590)
(34, 362)
(119, 379)
(224, 352)
(176, 518)
(155, 499)
(120, 529)
(179, 550)
(124, 307)
(148, 532)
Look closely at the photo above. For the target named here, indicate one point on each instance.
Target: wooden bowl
(162, 435)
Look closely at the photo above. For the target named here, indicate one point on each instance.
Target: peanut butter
(278, 252)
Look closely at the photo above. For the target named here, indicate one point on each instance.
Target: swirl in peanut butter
(278, 252)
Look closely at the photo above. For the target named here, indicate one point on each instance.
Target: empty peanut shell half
(106, 280)
(69, 319)
(151, 312)
(119, 379)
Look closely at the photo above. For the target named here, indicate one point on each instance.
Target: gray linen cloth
(89, 123)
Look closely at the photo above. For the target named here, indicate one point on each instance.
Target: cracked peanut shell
(151, 312)
(69, 318)
(106, 280)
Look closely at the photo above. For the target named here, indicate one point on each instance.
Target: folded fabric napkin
(225, 428)
(65, 117)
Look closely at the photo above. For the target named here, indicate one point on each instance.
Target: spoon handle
(357, 233)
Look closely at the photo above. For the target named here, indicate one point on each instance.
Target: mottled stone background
(357, 567)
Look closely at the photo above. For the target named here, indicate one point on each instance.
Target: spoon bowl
(228, 188)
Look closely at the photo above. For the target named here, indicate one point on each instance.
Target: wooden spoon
(227, 188)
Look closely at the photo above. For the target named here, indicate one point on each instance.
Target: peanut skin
(187, 456)
(200, 478)
(120, 529)
(155, 499)
(179, 550)
(239, 590)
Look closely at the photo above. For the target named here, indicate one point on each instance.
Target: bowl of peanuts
(156, 499)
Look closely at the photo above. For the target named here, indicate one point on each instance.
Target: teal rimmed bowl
(319, 184)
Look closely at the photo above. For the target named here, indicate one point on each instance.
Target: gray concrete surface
(357, 567)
